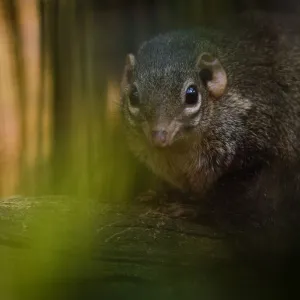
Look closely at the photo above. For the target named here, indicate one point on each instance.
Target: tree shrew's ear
(212, 73)
(128, 71)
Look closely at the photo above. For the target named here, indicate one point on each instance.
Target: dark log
(60, 248)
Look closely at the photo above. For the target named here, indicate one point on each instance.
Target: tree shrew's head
(168, 92)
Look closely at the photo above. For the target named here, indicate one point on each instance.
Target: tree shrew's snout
(161, 135)
(159, 138)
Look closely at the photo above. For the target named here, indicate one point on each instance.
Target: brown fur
(252, 128)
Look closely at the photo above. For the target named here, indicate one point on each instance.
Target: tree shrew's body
(218, 110)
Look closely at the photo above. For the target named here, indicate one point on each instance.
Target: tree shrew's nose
(159, 138)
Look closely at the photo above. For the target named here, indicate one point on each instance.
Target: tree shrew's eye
(134, 100)
(191, 95)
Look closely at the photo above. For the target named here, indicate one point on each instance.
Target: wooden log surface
(57, 247)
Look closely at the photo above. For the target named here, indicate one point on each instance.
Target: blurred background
(60, 68)
(61, 63)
